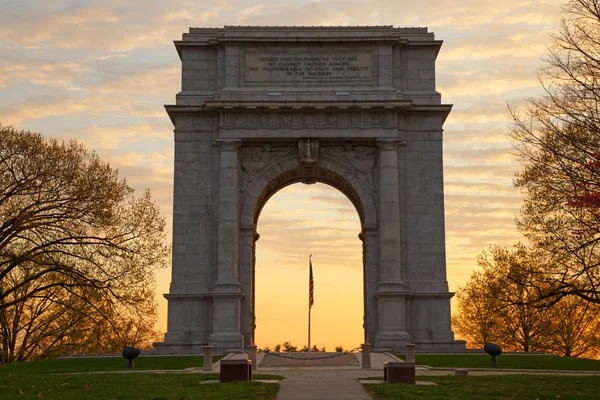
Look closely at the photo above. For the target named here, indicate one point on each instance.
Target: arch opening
(296, 221)
(322, 176)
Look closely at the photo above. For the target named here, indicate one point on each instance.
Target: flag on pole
(311, 285)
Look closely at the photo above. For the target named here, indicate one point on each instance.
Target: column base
(174, 348)
(392, 341)
(440, 346)
(224, 342)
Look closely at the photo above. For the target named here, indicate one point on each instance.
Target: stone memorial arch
(265, 107)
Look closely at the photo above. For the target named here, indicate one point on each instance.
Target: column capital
(250, 230)
(390, 144)
(368, 230)
(247, 228)
(228, 144)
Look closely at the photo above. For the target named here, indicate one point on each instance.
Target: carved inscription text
(299, 67)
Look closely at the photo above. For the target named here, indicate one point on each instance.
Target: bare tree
(557, 139)
(76, 246)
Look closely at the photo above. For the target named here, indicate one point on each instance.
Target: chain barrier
(355, 350)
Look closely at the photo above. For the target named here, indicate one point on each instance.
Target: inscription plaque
(306, 67)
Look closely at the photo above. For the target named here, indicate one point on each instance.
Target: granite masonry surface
(261, 108)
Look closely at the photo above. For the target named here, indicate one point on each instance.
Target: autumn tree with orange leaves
(78, 252)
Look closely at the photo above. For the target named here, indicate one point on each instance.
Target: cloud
(100, 71)
(64, 74)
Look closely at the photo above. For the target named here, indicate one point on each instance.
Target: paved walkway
(310, 389)
(314, 360)
(324, 380)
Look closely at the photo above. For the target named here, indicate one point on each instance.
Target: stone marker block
(208, 354)
(461, 372)
(366, 355)
(410, 353)
(399, 372)
(236, 370)
(252, 355)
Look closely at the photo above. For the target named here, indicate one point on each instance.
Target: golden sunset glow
(100, 71)
(298, 221)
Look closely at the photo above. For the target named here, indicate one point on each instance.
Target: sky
(100, 71)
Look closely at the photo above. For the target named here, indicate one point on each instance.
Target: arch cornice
(288, 170)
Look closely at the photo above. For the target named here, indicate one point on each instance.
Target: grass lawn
(508, 361)
(542, 387)
(148, 386)
(102, 364)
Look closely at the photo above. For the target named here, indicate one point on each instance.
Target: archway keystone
(262, 108)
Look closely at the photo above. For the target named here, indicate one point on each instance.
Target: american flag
(311, 285)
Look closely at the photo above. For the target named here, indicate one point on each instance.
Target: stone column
(390, 272)
(371, 247)
(362, 238)
(246, 275)
(391, 290)
(255, 237)
(228, 230)
(226, 292)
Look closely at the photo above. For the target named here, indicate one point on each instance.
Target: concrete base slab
(302, 389)
(253, 380)
(316, 360)
(379, 382)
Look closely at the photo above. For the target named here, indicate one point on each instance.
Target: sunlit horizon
(296, 222)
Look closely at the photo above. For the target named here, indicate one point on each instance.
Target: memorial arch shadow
(276, 177)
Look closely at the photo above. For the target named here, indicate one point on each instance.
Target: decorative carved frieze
(311, 120)
(286, 120)
(257, 158)
(361, 159)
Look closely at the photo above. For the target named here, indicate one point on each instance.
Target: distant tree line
(288, 347)
(544, 294)
(78, 252)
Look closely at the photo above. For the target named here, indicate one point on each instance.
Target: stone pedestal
(208, 355)
(366, 355)
(252, 355)
(410, 353)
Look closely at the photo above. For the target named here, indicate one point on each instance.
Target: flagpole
(309, 304)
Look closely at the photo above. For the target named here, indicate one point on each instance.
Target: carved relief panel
(360, 159)
(257, 158)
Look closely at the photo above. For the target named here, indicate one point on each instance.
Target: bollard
(252, 355)
(208, 365)
(410, 353)
(366, 355)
